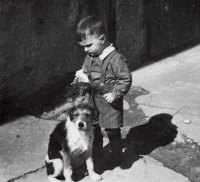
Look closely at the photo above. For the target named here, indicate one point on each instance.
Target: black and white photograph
(100, 90)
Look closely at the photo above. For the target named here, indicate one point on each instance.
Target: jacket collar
(106, 51)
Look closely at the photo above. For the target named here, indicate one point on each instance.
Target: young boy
(107, 68)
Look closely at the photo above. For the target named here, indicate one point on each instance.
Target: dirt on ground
(181, 158)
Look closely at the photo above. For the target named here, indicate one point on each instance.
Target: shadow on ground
(144, 139)
(46, 99)
(159, 131)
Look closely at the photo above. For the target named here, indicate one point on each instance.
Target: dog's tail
(54, 169)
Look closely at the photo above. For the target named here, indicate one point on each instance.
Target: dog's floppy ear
(71, 114)
(95, 114)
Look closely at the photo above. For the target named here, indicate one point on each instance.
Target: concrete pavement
(173, 87)
(23, 148)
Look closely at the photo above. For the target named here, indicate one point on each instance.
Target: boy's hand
(109, 97)
(80, 77)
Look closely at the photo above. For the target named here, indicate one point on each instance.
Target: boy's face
(93, 44)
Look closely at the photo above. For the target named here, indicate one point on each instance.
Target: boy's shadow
(143, 139)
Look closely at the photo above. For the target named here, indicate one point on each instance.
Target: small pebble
(193, 146)
(186, 121)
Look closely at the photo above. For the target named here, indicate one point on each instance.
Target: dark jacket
(114, 76)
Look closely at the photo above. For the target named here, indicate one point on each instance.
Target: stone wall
(131, 30)
(38, 50)
(37, 46)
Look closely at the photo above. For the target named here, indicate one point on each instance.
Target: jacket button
(102, 84)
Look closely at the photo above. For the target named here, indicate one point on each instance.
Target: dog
(70, 145)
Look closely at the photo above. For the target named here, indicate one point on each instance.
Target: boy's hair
(89, 26)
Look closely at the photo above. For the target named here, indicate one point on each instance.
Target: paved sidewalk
(173, 88)
(23, 148)
(174, 85)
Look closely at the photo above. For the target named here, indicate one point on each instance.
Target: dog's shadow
(143, 139)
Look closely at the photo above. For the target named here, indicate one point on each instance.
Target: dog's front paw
(95, 177)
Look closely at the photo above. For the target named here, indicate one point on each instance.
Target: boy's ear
(102, 38)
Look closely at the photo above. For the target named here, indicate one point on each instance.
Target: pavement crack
(157, 106)
(150, 99)
(192, 113)
(177, 112)
(180, 112)
(27, 173)
(145, 166)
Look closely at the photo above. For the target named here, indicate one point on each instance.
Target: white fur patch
(52, 179)
(78, 139)
(57, 165)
